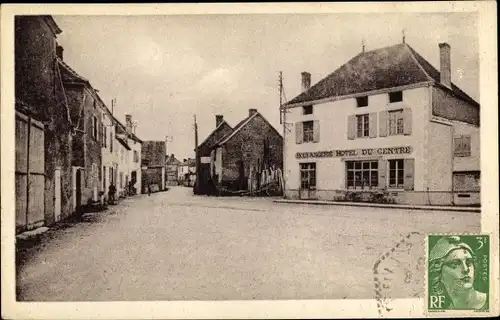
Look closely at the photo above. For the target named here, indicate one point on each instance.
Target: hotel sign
(354, 152)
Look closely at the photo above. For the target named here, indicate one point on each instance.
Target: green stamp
(458, 272)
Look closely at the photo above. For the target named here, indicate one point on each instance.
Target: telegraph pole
(197, 158)
(283, 120)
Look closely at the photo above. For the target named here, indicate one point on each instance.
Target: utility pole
(197, 158)
(283, 120)
(113, 102)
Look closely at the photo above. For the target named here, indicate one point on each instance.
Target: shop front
(330, 174)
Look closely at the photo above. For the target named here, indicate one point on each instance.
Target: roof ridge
(412, 54)
(213, 131)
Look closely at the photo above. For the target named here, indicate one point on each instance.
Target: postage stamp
(458, 273)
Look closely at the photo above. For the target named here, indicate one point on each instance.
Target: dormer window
(362, 101)
(307, 109)
(395, 96)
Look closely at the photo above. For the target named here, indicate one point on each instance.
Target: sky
(165, 69)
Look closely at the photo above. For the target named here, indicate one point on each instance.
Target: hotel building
(386, 120)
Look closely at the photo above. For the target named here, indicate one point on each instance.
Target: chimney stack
(59, 51)
(128, 122)
(218, 119)
(251, 112)
(306, 81)
(445, 64)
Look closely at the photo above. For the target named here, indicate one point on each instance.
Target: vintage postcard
(297, 160)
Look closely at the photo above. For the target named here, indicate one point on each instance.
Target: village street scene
(164, 163)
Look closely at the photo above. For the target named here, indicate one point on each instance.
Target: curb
(377, 205)
(27, 235)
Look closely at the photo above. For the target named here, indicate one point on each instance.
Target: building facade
(172, 170)
(386, 122)
(239, 160)
(127, 133)
(153, 159)
(43, 129)
(203, 153)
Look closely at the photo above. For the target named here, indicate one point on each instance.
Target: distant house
(172, 169)
(253, 148)
(127, 132)
(153, 163)
(205, 184)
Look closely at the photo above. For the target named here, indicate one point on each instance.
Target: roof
(241, 125)
(172, 160)
(384, 68)
(122, 142)
(71, 76)
(190, 162)
(214, 132)
(52, 24)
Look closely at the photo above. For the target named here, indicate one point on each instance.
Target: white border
(245, 309)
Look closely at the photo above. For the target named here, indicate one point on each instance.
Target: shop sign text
(354, 152)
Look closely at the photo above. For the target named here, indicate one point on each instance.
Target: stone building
(43, 126)
(385, 123)
(172, 170)
(205, 184)
(153, 165)
(252, 150)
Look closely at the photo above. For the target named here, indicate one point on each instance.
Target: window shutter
(298, 133)
(383, 123)
(351, 127)
(316, 131)
(407, 121)
(409, 168)
(382, 166)
(373, 124)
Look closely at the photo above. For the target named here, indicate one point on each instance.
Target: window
(104, 178)
(308, 176)
(94, 127)
(466, 181)
(362, 101)
(396, 173)
(395, 96)
(462, 146)
(308, 131)
(105, 138)
(111, 180)
(111, 141)
(363, 125)
(307, 109)
(396, 122)
(362, 174)
(136, 156)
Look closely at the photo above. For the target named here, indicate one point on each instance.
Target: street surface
(177, 246)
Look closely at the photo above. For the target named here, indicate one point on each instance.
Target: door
(78, 192)
(57, 195)
(307, 181)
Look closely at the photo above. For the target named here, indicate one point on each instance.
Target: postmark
(399, 272)
(457, 273)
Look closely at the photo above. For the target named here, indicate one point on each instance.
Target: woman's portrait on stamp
(454, 271)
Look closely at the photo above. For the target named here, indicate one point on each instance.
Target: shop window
(307, 109)
(395, 96)
(307, 176)
(362, 101)
(396, 122)
(363, 125)
(396, 173)
(308, 131)
(462, 146)
(362, 174)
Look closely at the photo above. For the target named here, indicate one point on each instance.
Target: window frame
(365, 125)
(399, 174)
(396, 123)
(365, 168)
(394, 96)
(362, 102)
(307, 110)
(307, 171)
(308, 131)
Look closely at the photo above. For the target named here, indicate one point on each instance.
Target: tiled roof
(384, 68)
(173, 160)
(214, 132)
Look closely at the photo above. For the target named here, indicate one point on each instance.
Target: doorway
(307, 181)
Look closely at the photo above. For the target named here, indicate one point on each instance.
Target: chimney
(218, 119)
(128, 122)
(306, 81)
(59, 51)
(445, 64)
(251, 112)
